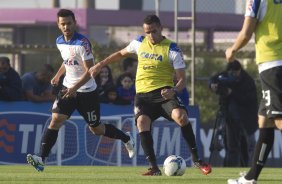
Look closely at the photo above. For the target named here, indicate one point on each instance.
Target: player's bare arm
(71, 92)
(243, 38)
(117, 56)
(181, 78)
(56, 78)
(180, 85)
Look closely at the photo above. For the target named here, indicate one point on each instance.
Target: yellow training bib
(154, 69)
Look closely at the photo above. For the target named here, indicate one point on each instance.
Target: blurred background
(28, 31)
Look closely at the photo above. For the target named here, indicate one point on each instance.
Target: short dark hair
(5, 60)
(234, 65)
(65, 13)
(150, 19)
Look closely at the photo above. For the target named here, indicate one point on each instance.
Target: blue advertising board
(23, 123)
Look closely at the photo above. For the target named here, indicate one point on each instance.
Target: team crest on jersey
(72, 51)
(155, 57)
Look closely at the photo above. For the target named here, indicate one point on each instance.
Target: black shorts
(154, 105)
(86, 103)
(271, 102)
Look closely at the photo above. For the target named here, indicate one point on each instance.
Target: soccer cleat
(36, 162)
(130, 146)
(153, 172)
(204, 167)
(241, 180)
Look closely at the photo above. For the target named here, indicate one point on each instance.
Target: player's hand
(94, 70)
(168, 93)
(69, 93)
(230, 54)
(55, 81)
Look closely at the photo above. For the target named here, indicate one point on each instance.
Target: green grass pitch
(119, 175)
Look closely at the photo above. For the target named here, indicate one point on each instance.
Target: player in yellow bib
(158, 59)
(264, 18)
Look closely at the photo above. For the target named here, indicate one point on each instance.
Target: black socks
(263, 148)
(189, 136)
(112, 132)
(148, 144)
(48, 141)
(148, 147)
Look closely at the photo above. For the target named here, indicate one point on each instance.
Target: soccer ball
(174, 165)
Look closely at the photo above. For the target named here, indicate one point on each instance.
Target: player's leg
(145, 112)
(48, 141)
(262, 150)
(89, 108)
(263, 147)
(50, 136)
(62, 109)
(269, 112)
(147, 143)
(175, 110)
(179, 115)
(111, 131)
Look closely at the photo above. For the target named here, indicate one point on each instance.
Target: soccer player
(158, 59)
(79, 91)
(263, 17)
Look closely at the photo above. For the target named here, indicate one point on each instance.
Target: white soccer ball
(174, 165)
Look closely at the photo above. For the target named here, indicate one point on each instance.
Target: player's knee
(93, 130)
(180, 117)
(278, 123)
(57, 122)
(143, 123)
(96, 130)
(183, 121)
(54, 126)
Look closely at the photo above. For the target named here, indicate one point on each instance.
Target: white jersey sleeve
(134, 45)
(256, 9)
(85, 50)
(176, 56)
